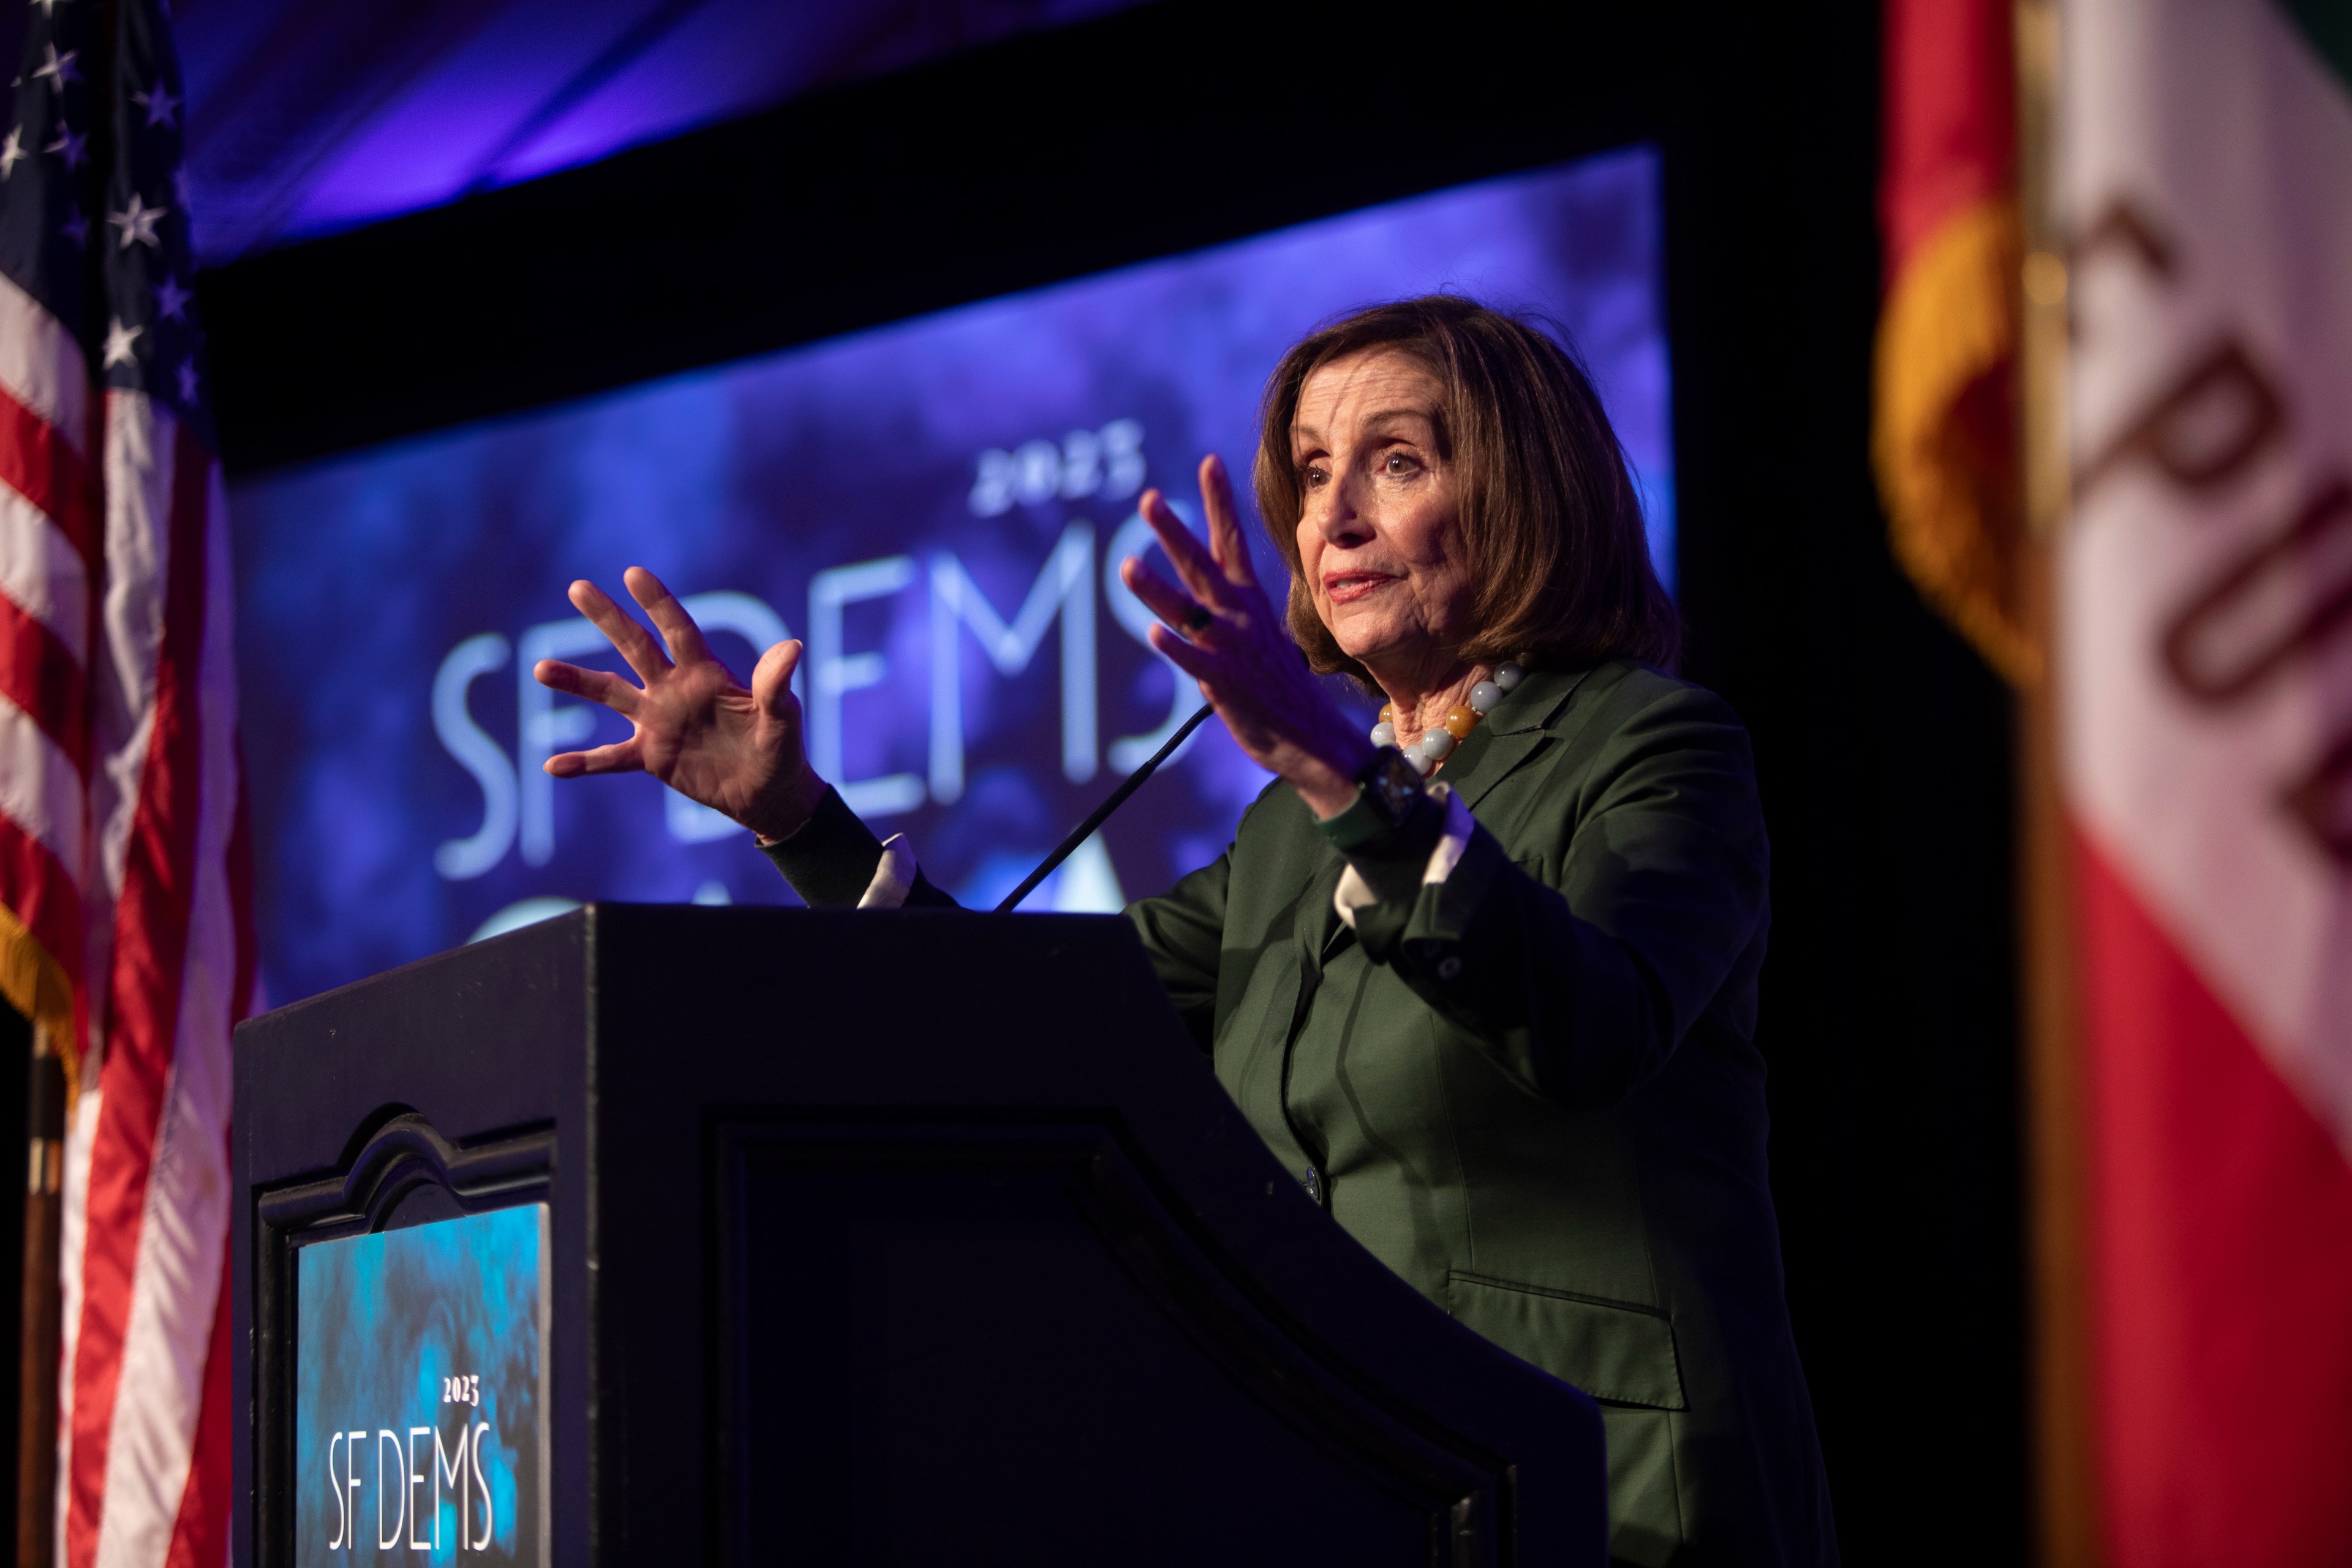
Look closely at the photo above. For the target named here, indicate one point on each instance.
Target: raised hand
(693, 725)
(1223, 630)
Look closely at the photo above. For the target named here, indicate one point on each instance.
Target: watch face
(1392, 786)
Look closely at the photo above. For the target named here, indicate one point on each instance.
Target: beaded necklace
(1439, 740)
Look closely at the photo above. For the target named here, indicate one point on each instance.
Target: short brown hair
(1550, 518)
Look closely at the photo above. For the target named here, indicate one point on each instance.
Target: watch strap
(1389, 795)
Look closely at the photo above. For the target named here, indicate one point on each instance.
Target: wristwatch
(1388, 786)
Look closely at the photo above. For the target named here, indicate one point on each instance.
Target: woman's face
(1380, 536)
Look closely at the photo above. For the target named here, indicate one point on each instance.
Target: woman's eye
(1312, 478)
(1398, 463)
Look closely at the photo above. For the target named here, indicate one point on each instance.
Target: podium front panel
(846, 1251)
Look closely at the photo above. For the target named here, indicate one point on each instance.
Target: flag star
(159, 103)
(77, 228)
(188, 381)
(119, 338)
(59, 67)
(12, 150)
(171, 299)
(138, 222)
(70, 147)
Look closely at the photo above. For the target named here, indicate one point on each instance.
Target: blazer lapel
(1518, 729)
(1502, 757)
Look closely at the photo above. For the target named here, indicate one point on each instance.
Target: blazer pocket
(1613, 1351)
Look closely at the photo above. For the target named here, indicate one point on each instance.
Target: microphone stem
(1096, 819)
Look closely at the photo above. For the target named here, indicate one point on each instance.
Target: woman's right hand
(694, 726)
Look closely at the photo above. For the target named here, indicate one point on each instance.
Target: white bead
(1484, 696)
(1422, 762)
(1383, 734)
(1507, 675)
(1435, 742)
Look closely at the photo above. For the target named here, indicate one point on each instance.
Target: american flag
(126, 930)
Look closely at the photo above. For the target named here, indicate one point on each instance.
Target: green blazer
(1534, 1092)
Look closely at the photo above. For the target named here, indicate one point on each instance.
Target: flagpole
(2064, 1488)
(42, 1321)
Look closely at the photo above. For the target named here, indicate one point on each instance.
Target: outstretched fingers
(1225, 538)
(1194, 660)
(621, 757)
(772, 678)
(633, 642)
(678, 627)
(1161, 597)
(595, 685)
(1201, 575)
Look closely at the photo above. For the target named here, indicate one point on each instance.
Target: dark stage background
(1885, 747)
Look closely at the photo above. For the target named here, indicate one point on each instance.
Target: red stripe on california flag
(42, 895)
(151, 938)
(40, 674)
(2221, 1269)
(200, 1532)
(38, 463)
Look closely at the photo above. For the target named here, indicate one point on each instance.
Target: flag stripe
(39, 891)
(42, 573)
(41, 366)
(73, 1227)
(130, 630)
(183, 1238)
(40, 674)
(38, 463)
(200, 1530)
(200, 1533)
(40, 794)
(150, 945)
(184, 1229)
(2221, 1266)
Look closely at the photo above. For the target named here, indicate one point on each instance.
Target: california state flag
(2204, 656)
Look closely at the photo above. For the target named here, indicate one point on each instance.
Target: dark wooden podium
(917, 1237)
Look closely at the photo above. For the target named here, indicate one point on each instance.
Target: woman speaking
(1484, 980)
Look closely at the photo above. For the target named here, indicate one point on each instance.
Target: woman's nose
(1343, 521)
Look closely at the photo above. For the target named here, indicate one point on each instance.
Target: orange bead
(1388, 712)
(1460, 722)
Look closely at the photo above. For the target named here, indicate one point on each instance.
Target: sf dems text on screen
(421, 1394)
(519, 797)
(456, 1474)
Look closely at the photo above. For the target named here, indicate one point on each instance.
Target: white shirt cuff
(894, 876)
(1353, 892)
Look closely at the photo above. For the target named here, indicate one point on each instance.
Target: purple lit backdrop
(307, 119)
(871, 493)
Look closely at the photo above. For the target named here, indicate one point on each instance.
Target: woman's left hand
(1223, 630)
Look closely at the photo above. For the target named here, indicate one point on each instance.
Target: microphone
(1101, 813)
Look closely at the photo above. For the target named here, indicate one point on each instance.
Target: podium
(669, 1234)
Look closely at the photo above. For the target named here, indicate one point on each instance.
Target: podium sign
(420, 1393)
